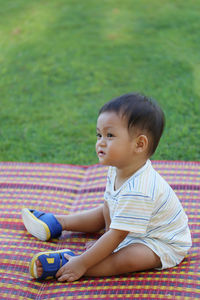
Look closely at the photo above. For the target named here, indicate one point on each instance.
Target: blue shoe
(51, 262)
(43, 226)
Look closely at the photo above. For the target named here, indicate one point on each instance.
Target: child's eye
(98, 135)
(110, 135)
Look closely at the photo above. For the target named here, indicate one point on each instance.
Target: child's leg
(87, 221)
(133, 258)
(45, 225)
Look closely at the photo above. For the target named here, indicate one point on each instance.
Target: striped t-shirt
(147, 207)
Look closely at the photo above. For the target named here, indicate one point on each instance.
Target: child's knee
(139, 257)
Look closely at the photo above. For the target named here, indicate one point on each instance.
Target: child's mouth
(101, 153)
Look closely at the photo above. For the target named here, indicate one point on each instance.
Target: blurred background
(61, 60)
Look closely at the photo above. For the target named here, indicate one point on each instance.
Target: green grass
(61, 60)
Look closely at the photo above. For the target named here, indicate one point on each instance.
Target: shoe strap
(37, 213)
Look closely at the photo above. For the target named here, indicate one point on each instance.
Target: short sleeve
(132, 213)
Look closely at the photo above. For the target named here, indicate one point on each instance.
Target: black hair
(141, 113)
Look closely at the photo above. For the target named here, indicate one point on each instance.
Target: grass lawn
(60, 60)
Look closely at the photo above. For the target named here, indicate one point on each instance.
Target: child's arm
(106, 215)
(78, 265)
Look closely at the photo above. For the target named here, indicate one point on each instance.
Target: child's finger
(67, 256)
(66, 277)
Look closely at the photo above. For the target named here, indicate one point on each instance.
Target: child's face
(114, 145)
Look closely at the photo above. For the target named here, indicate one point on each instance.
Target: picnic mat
(63, 189)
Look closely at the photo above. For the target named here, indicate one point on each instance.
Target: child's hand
(72, 270)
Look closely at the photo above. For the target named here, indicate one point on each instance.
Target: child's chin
(103, 162)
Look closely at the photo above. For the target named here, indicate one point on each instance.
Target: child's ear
(141, 143)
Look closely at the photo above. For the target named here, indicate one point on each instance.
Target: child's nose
(102, 141)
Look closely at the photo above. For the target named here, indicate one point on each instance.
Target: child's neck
(125, 173)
